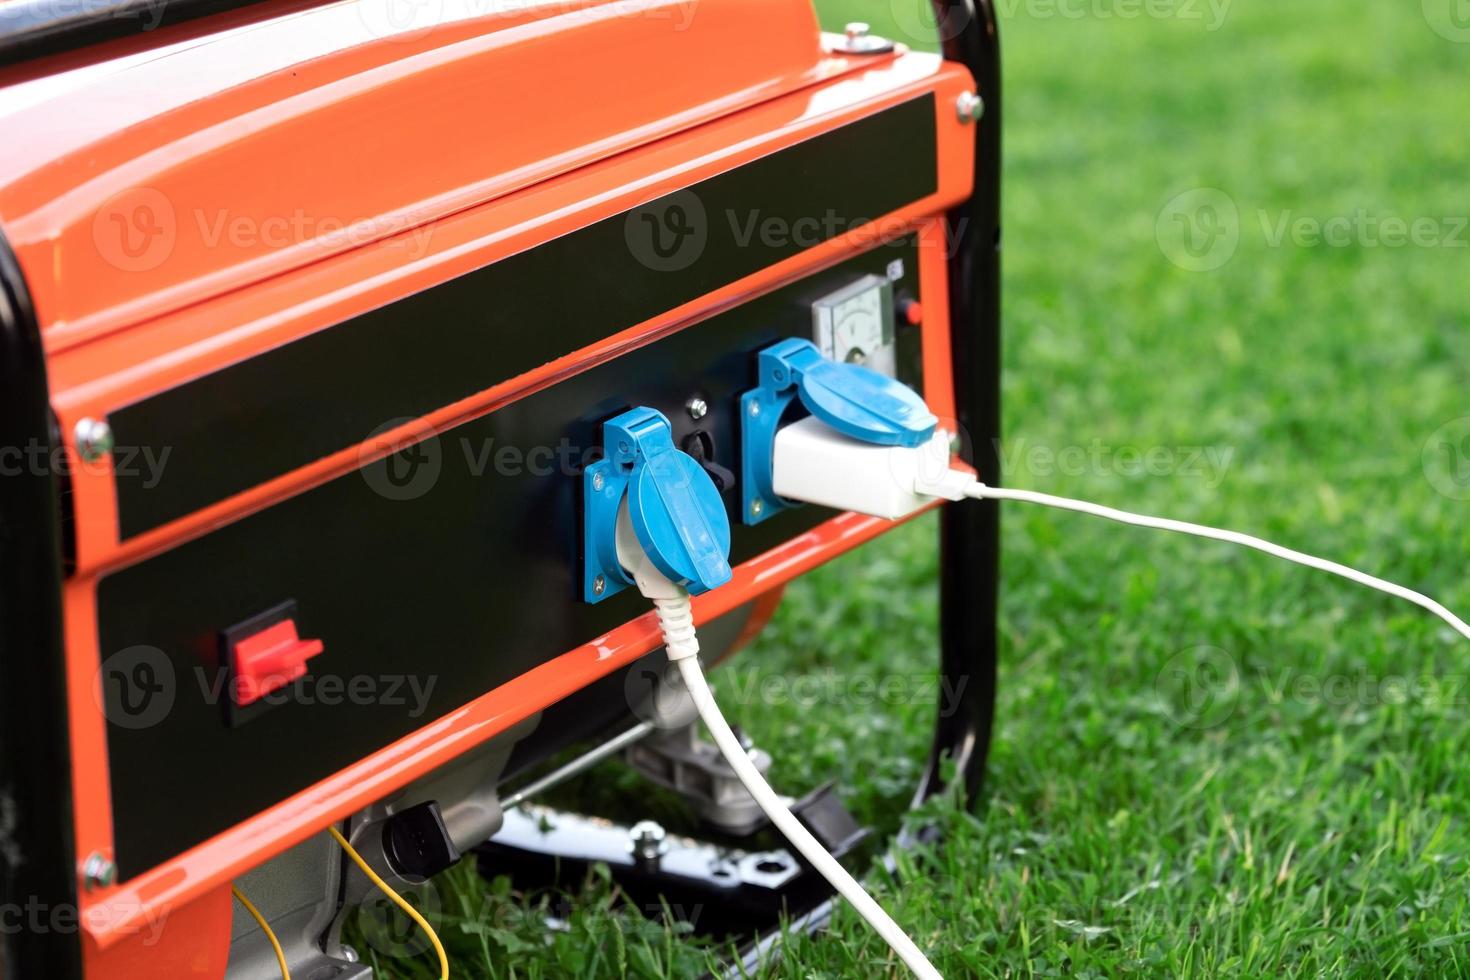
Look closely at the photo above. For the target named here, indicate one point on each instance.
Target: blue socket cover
(673, 505)
(854, 400)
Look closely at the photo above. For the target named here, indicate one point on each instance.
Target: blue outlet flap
(852, 399)
(680, 520)
(675, 510)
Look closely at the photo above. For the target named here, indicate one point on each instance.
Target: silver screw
(598, 481)
(599, 585)
(859, 39)
(650, 842)
(349, 954)
(755, 408)
(698, 408)
(94, 438)
(756, 506)
(970, 107)
(98, 871)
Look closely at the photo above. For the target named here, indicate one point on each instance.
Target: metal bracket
(720, 891)
(686, 764)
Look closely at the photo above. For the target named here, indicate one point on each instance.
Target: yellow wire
(265, 928)
(398, 900)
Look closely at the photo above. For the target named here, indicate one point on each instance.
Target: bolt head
(698, 408)
(649, 840)
(755, 408)
(94, 438)
(858, 38)
(969, 107)
(598, 481)
(757, 507)
(98, 871)
(599, 585)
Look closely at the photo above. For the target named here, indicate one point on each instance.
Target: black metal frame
(37, 849)
(970, 530)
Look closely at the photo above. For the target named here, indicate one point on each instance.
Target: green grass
(1305, 807)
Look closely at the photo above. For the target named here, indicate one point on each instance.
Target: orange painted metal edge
(113, 916)
(764, 608)
(189, 942)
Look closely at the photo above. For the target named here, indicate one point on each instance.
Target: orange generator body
(312, 315)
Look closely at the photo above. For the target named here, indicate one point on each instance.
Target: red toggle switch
(269, 660)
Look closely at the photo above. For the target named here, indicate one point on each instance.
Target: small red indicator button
(269, 660)
(912, 312)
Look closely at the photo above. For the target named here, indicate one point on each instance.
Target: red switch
(269, 660)
(913, 313)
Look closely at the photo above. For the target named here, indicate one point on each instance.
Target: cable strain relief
(676, 620)
(950, 485)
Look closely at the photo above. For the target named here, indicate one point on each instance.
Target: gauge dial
(855, 324)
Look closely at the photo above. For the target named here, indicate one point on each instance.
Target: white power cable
(799, 837)
(816, 464)
(676, 622)
(980, 491)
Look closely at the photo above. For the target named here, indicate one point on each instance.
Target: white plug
(670, 600)
(816, 464)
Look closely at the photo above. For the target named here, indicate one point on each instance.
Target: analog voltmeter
(855, 324)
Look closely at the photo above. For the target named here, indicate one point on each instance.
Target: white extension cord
(676, 621)
(818, 465)
(815, 464)
(980, 491)
(798, 836)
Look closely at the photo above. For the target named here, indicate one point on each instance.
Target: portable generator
(342, 342)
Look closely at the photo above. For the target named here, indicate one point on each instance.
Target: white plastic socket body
(646, 576)
(816, 464)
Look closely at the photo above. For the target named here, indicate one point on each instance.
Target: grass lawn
(1206, 762)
